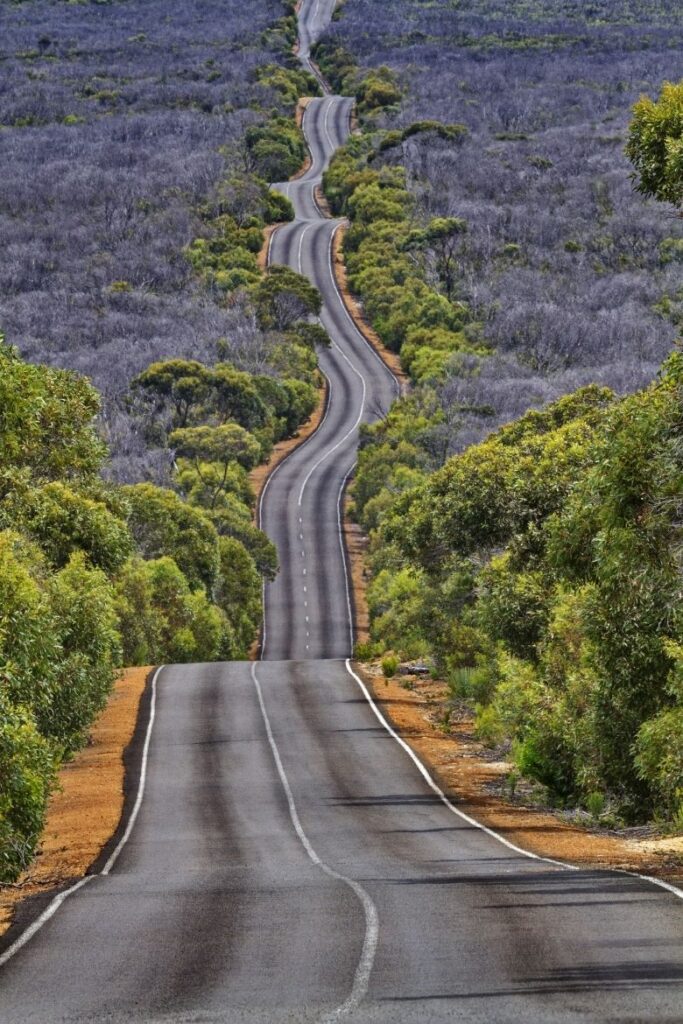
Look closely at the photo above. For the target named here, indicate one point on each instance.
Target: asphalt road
(222, 907)
(284, 859)
(307, 606)
(314, 17)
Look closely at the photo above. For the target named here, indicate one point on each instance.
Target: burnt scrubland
(147, 364)
(136, 140)
(524, 501)
(555, 266)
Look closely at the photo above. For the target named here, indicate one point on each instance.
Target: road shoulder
(85, 810)
(471, 778)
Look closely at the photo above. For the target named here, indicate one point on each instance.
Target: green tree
(27, 774)
(163, 524)
(239, 592)
(441, 240)
(86, 626)
(181, 383)
(163, 619)
(234, 396)
(283, 297)
(655, 144)
(29, 644)
(218, 447)
(63, 521)
(47, 421)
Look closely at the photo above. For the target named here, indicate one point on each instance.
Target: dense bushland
(564, 275)
(540, 570)
(94, 575)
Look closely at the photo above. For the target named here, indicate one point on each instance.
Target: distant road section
(308, 606)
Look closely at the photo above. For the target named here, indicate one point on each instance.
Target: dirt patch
(352, 304)
(302, 103)
(262, 258)
(306, 166)
(356, 547)
(464, 770)
(85, 810)
(321, 202)
(299, 115)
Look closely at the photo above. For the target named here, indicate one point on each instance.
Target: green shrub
(27, 774)
(163, 620)
(595, 804)
(163, 524)
(82, 602)
(487, 725)
(390, 665)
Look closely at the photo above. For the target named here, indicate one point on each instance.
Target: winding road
(308, 606)
(285, 857)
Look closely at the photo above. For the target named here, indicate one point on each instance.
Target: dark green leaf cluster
(225, 256)
(655, 144)
(61, 540)
(447, 132)
(376, 90)
(276, 149)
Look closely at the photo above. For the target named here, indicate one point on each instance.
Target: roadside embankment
(391, 359)
(299, 115)
(85, 809)
(258, 477)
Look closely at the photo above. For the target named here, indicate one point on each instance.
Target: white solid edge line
(355, 369)
(660, 883)
(58, 900)
(342, 545)
(143, 778)
(477, 824)
(367, 957)
(397, 385)
(326, 125)
(305, 49)
(439, 792)
(349, 432)
(301, 246)
(314, 173)
(273, 233)
(49, 912)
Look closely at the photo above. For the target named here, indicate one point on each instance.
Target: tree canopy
(655, 144)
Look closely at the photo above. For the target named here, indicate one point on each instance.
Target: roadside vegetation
(133, 212)
(523, 508)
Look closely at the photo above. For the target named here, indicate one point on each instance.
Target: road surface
(284, 859)
(307, 606)
(216, 911)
